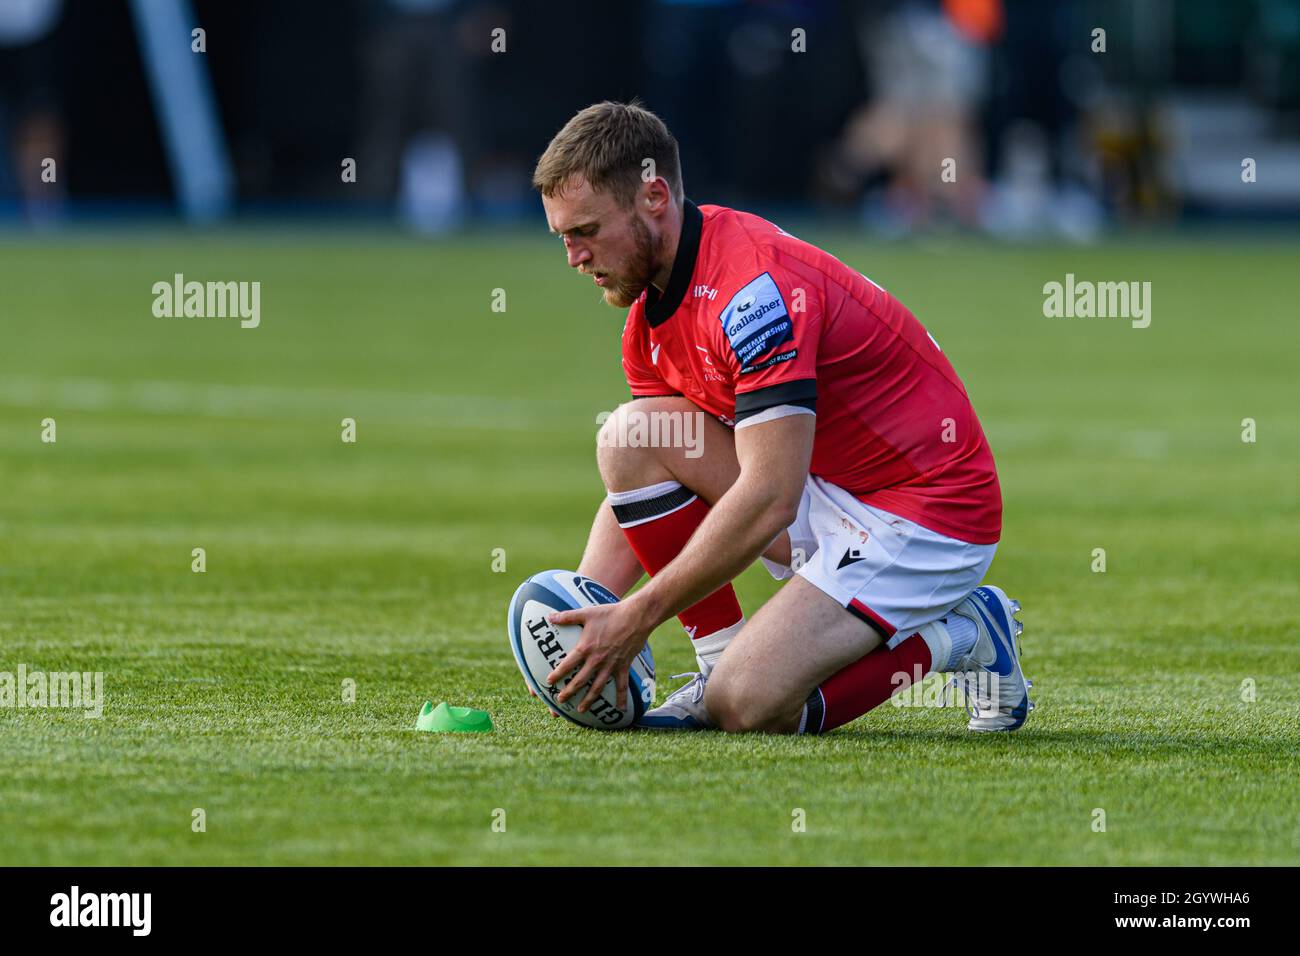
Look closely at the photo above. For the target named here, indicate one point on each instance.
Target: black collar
(659, 309)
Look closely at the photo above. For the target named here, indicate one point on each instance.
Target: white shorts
(889, 571)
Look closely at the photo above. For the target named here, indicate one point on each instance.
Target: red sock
(866, 683)
(658, 521)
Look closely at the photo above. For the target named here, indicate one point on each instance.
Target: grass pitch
(373, 562)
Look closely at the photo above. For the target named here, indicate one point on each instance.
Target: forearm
(736, 530)
(608, 557)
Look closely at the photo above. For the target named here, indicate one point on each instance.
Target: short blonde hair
(607, 144)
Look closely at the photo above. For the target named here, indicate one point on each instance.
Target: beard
(637, 270)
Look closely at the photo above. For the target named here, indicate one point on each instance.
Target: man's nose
(578, 254)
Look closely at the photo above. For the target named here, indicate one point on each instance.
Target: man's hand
(612, 636)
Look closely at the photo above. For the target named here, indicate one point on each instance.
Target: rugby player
(839, 446)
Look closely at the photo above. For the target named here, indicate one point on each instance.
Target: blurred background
(844, 109)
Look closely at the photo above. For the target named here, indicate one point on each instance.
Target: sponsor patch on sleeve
(756, 321)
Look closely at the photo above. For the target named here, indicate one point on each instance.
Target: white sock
(949, 639)
(710, 647)
(963, 633)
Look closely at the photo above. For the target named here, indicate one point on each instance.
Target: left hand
(612, 636)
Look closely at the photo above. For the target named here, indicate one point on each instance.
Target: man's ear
(656, 195)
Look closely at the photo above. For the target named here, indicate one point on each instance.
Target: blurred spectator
(416, 113)
(1041, 160)
(689, 85)
(735, 78)
(31, 119)
(928, 65)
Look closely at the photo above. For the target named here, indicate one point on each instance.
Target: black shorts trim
(866, 619)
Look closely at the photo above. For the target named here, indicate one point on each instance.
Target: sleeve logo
(756, 320)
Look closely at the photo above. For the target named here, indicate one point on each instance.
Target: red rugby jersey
(753, 318)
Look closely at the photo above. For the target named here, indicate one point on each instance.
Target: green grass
(373, 562)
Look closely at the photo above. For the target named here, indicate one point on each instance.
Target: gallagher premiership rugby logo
(756, 320)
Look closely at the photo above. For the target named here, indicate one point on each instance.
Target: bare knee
(625, 462)
(655, 439)
(738, 710)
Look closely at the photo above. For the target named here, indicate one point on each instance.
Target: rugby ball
(539, 646)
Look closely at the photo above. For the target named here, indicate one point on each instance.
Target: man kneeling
(834, 441)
